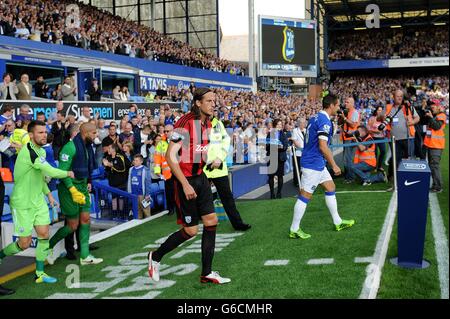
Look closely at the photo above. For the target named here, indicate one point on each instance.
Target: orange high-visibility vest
(412, 130)
(159, 160)
(368, 156)
(436, 138)
(350, 129)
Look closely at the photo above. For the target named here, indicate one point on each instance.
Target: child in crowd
(139, 182)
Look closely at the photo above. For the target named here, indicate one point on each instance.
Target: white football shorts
(311, 178)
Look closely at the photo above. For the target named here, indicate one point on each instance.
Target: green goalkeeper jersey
(29, 178)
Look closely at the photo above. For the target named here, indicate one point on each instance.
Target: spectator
(112, 137)
(24, 88)
(126, 135)
(68, 90)
(26, 115)
(102, 133)
(128, 151)
(40, 88)
(85, 114)
(124, 94)
(95, 94)
(276, 151)
(60, 132)
(139, 182)
(53, 116)
(8, 88)
(298, 139)
(57, 92)
(116, 166)
(116, 93)
(7, 114)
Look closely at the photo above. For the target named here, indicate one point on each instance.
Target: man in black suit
(278, 143)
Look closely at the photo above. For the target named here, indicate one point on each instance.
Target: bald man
(404, 117)
(77, 155)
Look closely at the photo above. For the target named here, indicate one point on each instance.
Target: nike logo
(411, 183)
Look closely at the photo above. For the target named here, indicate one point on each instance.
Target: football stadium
(224, 150)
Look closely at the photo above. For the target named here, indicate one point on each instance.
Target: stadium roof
(346, 14)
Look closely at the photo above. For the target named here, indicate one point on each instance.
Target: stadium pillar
(251, 42)
(152, 12)
(186, 5)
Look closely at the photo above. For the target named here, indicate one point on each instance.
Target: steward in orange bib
(349, 121)
(162, 169)
(435, 142)
(365, 160)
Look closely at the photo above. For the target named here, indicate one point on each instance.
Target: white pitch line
(372, 281)
(440, 244)
(351, 192)
(363, 260)
(279, 262)
(123, 227)
(321, 261)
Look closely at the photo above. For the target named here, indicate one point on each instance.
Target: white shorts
(311, 178)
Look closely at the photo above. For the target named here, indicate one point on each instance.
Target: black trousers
(170, 194)
(401, 152)
(226, 197)
(279, 173)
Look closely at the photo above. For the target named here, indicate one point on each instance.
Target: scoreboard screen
(287, 47)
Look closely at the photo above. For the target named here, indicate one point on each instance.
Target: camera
(342, 111)
(357, 135)
(383, 125)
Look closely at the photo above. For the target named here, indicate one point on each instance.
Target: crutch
(296, 168)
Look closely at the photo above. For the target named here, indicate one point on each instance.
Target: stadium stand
(99, 30)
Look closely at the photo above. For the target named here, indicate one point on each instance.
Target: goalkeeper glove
(77, 196)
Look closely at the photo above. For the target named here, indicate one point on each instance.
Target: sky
(233, 14)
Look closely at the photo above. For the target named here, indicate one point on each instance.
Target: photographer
(435, 142)
(378, 131)
(349, 121)
(400, 121)
(365, 159)
(421, 129)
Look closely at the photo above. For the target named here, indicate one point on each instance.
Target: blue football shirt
(319, 127)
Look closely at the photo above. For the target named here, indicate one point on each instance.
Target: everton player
(316, 154)
(186, 156)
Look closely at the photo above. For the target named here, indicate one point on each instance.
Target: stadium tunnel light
(395, 26)
(360, 28)
(439, 23)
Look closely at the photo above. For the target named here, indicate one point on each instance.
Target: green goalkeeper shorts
(70, 209)
(25, 219)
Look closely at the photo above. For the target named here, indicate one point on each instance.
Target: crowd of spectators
(388, 43)
(94, 29)
(248, 117)
(372, 91)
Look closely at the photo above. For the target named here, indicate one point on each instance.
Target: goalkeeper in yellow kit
(77, 155)
(29, 209)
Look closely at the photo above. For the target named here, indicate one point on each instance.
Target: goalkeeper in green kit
(77, 155)
(29, 209)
